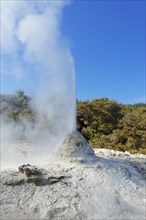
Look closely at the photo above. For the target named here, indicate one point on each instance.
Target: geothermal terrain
(79, 183)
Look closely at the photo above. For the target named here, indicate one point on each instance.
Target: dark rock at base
(29, 170)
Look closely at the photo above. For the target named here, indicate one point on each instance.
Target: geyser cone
(75, 146)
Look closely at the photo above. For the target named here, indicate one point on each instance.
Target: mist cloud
(31, 35)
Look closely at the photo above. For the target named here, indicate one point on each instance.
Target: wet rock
(29, 170)
(82, 192)
(54, 179)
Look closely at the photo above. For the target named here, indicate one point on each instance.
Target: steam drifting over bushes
(103, 122)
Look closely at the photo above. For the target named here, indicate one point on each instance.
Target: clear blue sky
(108, 45)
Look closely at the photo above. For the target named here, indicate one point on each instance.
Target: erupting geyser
(38, 57)
(77, 184)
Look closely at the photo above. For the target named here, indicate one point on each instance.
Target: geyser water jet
(35, 53)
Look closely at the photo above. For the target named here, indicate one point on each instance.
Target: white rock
(75, 187)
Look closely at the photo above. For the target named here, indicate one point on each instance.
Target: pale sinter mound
(75, 147)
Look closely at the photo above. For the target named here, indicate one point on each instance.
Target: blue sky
(108, 45)
(107, 40)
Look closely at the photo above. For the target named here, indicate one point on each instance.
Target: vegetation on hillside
(104, 123)
(14, 107)
(108, 124)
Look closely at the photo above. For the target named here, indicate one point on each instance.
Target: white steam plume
(31, 35)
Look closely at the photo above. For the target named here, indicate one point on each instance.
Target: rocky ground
(136, 160)
(78, 185)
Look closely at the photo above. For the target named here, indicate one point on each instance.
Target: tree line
(104, 123)
(107, 124)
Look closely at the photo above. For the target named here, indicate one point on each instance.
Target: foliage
(104, 123)
(14, 107)
(108, 124)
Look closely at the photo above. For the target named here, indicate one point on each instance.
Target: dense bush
(104, 123)
(108, 124)
(14, 107)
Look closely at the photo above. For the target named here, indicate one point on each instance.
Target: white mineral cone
(74, 146)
